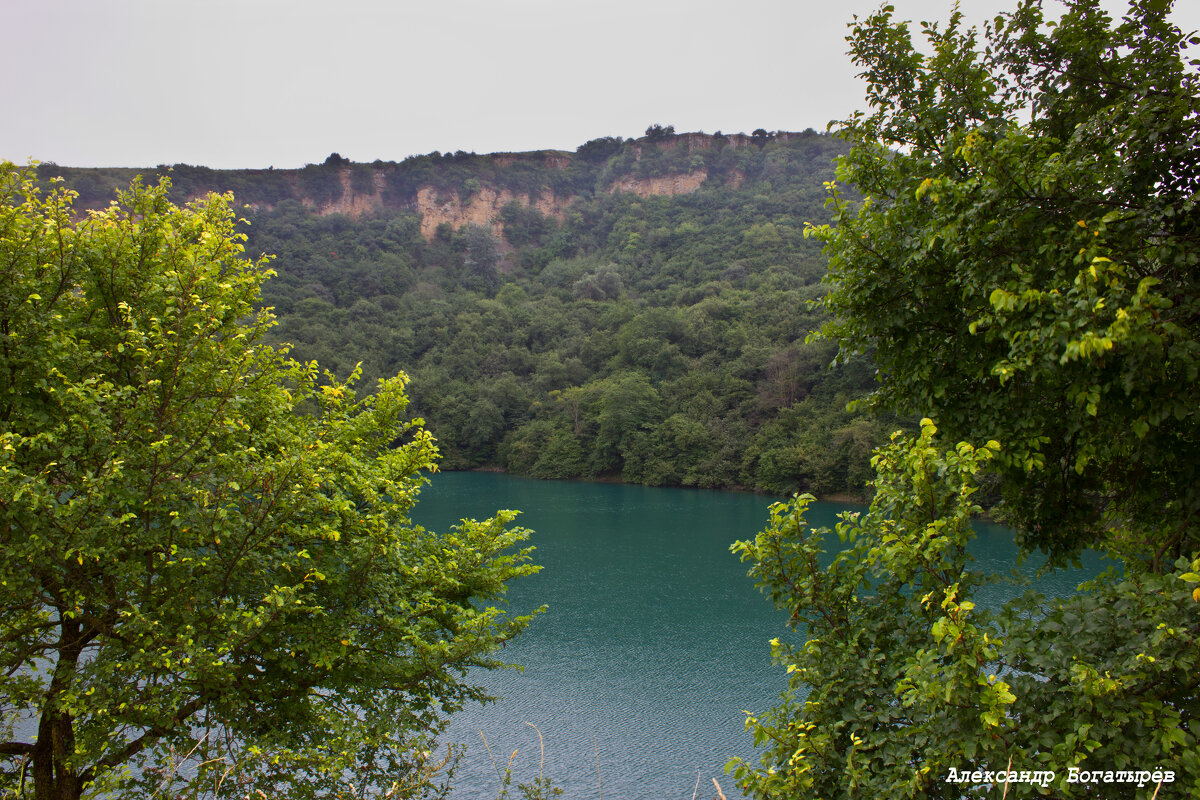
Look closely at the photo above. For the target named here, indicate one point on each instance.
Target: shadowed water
(654, 644)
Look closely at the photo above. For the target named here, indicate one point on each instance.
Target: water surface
(655, 642)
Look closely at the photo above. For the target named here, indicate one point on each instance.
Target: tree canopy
(205, 548)
(1025, 267)
(1023, 270)
(705, 295)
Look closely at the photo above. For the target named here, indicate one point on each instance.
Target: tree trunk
(53, 778)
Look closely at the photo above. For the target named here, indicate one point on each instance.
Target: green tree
(601, 149)
(1023, 269)
(1034, 281)
(481, 259)
(627, 407)
(657, 132)
(902, 576)
(695, 291)
(205, 548)
(902, 685)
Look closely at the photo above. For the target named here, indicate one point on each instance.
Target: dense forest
(602, 322)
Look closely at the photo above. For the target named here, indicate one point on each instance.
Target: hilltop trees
(600, 149)
(657, 132)
(1023, 269)
(705, 294)
(205, 549)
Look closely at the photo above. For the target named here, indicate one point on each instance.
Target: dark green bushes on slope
(654, 339)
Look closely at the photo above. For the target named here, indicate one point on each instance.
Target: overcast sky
(254, 83)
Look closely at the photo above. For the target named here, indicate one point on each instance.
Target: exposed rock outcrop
(483, 208)
(381, 188)
(664, 184)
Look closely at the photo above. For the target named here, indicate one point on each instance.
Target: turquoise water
(655, 642)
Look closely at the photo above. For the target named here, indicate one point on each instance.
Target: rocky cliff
(462, 189)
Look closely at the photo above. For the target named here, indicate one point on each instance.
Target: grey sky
(253, 83)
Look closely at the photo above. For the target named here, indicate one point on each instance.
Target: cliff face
(461, 189)
(663, 184)
(482, 208)
(351, 203)
(441, 206)
(437, 207)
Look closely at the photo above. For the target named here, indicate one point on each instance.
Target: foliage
(1023, 268)
(599, 149)
(657, 132)
(902, 677)
(205, 552)
(480, 260)
(706, 297)
(541, 788)
(702, 298)
(1034, 280)
(322, 184)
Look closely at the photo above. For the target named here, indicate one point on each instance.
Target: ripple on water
(654, 644)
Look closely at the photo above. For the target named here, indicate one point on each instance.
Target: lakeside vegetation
(201, 534)
(208, 576)
(1025, 275)
(657, 340)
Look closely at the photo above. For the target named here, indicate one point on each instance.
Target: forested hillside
(635, 310)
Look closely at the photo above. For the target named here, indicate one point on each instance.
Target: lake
(655, 642)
